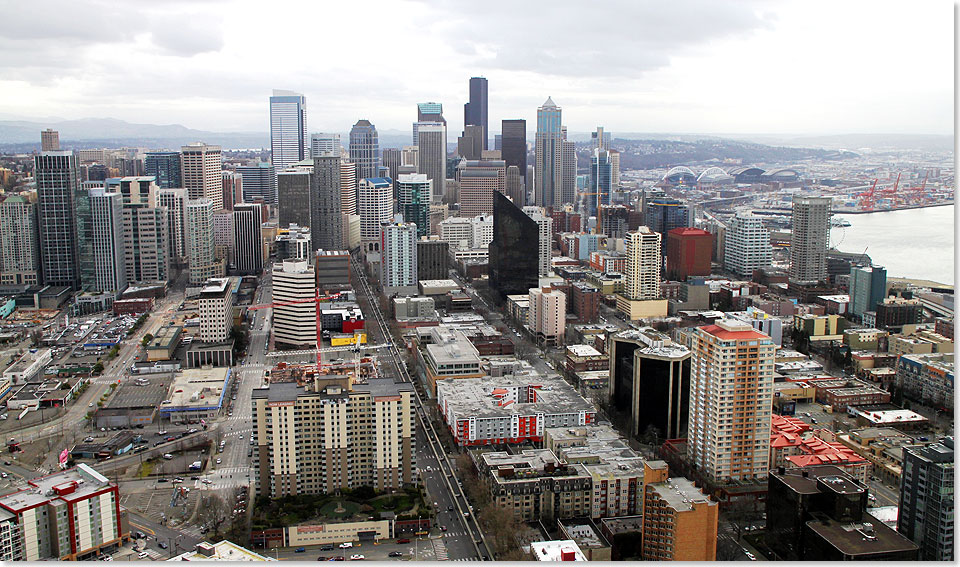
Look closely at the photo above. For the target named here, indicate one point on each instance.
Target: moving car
(300, 550)
(395, 554)
(346, 545)
(357, 557)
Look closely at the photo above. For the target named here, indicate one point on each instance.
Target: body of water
(914, 243)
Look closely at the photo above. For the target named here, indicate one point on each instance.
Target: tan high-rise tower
(201, 166)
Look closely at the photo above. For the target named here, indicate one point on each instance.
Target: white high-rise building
(398, 264)
(288, 128)
(216, 310)
(463, 233)
(294, 324)
(747, 247)
(201, 169)
(322, 143)
(146, 242)
(547, 315)
(545, 224)
(247, 238)
(810, 238)
(376, 207)
(106, 210)
(731, 396)
(200, 244)
(643, 264)
(348, 187)
(175, 200)
(19, 244)
(432, 154)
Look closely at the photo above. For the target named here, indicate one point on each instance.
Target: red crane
(317, 300)
(866, 199)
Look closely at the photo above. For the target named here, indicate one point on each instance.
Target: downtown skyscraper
(58, 181)
(165, 166)
(365, 149)
(202, 167)
(247, 239)
(432, 156)
(514, 144)
(810, 238)
(548, 176)
(326, 220)
(475, 111)
(289, 141)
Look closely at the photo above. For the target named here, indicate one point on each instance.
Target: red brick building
(584, 302)
(688, 253)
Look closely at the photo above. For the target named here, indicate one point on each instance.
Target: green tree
(98, 368)
(146, 339)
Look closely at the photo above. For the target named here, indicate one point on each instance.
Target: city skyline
(688, 43)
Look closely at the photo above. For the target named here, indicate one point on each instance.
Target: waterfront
(912, 243)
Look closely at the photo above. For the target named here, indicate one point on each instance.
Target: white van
(167, 456)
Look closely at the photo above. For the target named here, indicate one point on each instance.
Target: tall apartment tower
(326, 220)
(49, 140)
(369, 439)
(247, 238)
(215, 305)
(568, 172)
(432, 156)
(413, 199)
(868, 287)
(322, 143)
(175, 200)
(544, 240)
(147, 239)
(233, 189)
(810, 238)
(19, 242)
(398, 265)
(643, 264)
(259, 182)
(479, 180)
(375, 208)
(294, 324)
(547, 315)
(365, 149)
(747, 247)
(548, 175)
(288, 128)
(927, 499)
(107, 214)
(514, 143)
(58, 182)
(201, 167)
(165, 166)
(200, 245)
(731, 396)
(601, 182)
(475, 111)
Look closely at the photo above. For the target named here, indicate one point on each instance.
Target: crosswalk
(455, 534)
(439, 549)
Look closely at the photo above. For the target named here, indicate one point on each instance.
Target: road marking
(144, 528)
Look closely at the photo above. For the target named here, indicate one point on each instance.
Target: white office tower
(106, 210)
(200, 245)
(294, 324)
(376, 208)
(432, 155)
(288, 128)
(810, 237)
(747, 247)
(19, 242)
(731, 396)
(398, 265)
(643, 264)
(175, 200)
(545, 226)
(322, 143)
(202, 172)
(410, 155)
(247, 239)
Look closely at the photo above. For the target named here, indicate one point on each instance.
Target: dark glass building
(58, 184)
(926, 499)
(514, 258)
(475, 111)
(663, 214)
(433, 262)
(650, 382)
(165, 166)
(513, 144)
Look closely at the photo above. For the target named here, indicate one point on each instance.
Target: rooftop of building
(195, 388)
(557, 550)
(869, 537)
(484, 397)
(804, 480)
(451, 346)
(144, 392)
(71, 485)
(681, 494)
(290, 391)
(653, 342)
(583, 350)
(584, 533)
(889, 416)
(164, 337)
(623, 524)
(220, 551)
(733, 330)
(214, 287)
(438, 283)
(835, 298)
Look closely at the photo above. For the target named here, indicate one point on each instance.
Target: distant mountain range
(24, 136)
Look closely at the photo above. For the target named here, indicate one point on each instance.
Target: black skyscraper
(515, 251)
(475, 111)
(513, 143)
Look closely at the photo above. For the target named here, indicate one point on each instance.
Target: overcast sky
(794, 66)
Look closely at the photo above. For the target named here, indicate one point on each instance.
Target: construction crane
(316, 300)
(866, 198)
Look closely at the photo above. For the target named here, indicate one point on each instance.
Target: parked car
(300, 550)
(346, 545)
(395, 554)
(403, 540)
(357, 557)
(326, 547)
(162, 544)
